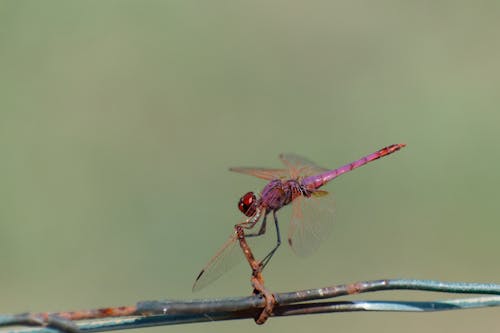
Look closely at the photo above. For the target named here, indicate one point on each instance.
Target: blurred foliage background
(119, 119)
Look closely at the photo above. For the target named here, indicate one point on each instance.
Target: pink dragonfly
(312, 214)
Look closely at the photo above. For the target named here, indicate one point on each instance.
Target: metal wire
(171, 312)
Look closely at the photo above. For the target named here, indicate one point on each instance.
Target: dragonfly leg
(278, 243)
(251, 221)
(261, 231)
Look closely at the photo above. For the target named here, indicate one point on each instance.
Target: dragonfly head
(248, 204)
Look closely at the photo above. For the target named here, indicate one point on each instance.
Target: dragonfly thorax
(279, 193)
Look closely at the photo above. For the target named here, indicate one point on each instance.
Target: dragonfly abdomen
(316, 181)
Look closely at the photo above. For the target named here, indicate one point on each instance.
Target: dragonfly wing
(299, 166)
(226, 258)
(228, 255)
(311, 223)
(263, 173)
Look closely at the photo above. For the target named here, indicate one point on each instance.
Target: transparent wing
(226, 258)
(299, 166)
(263, 173)
(311, 223)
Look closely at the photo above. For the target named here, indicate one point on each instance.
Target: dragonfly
(312, 209)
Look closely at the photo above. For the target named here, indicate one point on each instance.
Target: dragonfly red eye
(247, 204)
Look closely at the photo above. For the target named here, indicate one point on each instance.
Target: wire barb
(257, 279)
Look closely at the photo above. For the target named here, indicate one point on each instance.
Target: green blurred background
(119, 119)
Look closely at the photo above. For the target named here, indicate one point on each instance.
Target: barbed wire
(175, 312)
